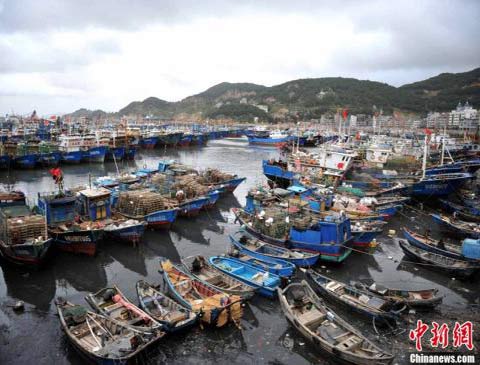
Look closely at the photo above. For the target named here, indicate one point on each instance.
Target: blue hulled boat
(49, 159)
(5, 161)
(191, 207)
(282, 268)
(23, 238)
(438, 246)
(68, 235)
(149, 142)
(265, 282)
(115, 153)
(27, 161)
(95, 154)
(248, 244)
(72, 157)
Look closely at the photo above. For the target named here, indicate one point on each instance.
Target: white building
(463, 117)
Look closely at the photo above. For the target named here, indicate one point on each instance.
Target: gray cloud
(36, 53)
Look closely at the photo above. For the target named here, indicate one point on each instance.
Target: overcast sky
(61, 55)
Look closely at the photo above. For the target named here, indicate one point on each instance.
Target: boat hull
(25, 162)
(49, 159)
(78, 242)
(115, 154)
(149, 143)
(162, 219)
(5, 161)
(32, 255)
(192, 207)
(95, 154)
(72, 157)
(132, 234)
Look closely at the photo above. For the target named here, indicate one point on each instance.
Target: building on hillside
(437, 120)
(463, 117)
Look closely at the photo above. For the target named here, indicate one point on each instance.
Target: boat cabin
(95, 204)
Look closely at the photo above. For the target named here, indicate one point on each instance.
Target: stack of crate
(142, 202)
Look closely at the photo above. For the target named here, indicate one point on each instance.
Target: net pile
(22, 229)
(142, 202)
(190, 185)
(214, 176)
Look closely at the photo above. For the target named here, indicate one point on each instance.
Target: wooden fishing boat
(326, 330)
(262, 280)
(365, 303)
(438, 262)
(461, 227)
(100, 339)
(216, 307)
(432, 245)
(199, 267)
(282, 268)
(112, 303)
(172, 316)
(254, 247)
(426, 298)
(23, 236)
(469, 214)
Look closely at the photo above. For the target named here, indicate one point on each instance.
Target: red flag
(345, 114)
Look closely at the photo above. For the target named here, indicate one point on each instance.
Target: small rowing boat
(199, 267)
(326, 330)
(265, 282)
(172, 316)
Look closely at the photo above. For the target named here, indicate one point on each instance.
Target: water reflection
(89, 273)
(132, 258)
(36, 287)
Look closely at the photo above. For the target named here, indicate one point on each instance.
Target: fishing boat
(148, 141)
(327, 331)
(157, 210)
(351, 298)
(172, 316)
(217, 308)
(276, 139)
(94, 148)
(419, 299)
(199, 267)
(68, 234)
(127, 230)
(111, 303)
(434, 261)
(49, 154)
(436, 246)
(71, 149)
(23, 155)
(465, 213)
(101, 340)
(9, 198)
(265, 282)
(468, 229)
(282, 268)
(254, 247)
(23, 236)
(192, 207)
(95, 205)
(294, 227)
(365, 233)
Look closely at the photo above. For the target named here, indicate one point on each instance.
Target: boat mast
(443, 145)
(424, 163)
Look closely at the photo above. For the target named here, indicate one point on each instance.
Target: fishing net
(75, 314)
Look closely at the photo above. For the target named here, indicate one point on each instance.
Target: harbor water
(34, 336)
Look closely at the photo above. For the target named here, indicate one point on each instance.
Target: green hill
(444, 91)
(311, 98)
